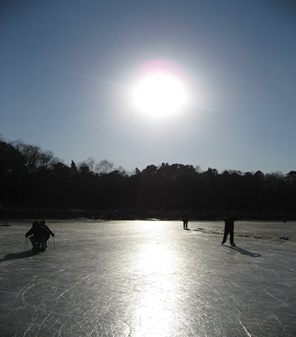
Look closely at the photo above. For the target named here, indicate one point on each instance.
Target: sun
(159, 90)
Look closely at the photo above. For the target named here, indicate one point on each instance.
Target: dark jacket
(229, 222)
(40, 231)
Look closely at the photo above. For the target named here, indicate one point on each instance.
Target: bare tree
(34, 157)
(104, 167)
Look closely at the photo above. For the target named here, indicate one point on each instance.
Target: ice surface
(149, 279)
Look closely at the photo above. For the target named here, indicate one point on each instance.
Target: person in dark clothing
(185, 220)
(39, 235)
(229, 229)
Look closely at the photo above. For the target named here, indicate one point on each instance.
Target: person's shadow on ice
(20, 255)
(243, 251)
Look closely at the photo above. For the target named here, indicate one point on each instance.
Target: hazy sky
(66, 68)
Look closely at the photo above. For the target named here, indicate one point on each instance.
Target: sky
(67, 68)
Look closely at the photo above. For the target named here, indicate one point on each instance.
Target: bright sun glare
(159, 90)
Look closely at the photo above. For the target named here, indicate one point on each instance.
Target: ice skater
(185, 220)
(39, 235)
(229, 229)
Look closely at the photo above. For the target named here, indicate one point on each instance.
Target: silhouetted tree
(32, 178)
(104, 167)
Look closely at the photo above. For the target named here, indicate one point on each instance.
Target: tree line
(33, 179)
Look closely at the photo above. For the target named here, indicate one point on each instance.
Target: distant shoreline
(138, 214)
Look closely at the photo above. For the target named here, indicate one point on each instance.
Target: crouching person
(39, 235)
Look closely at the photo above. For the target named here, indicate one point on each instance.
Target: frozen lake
(149, 279)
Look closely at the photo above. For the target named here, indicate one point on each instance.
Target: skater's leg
(226, 231)
(35, 244)
(43, 246)
(43, 243)
(232, 238)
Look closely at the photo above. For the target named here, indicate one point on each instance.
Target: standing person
(185, 220)
(229, 229)
(39, 234)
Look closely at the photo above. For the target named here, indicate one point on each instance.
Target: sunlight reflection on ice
(156, 304)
